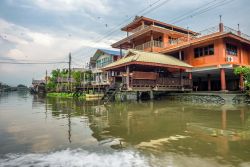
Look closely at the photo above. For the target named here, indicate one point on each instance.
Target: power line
(201, 10)
(2, 62)
(195, 12)
(25, 60)
(196, 9)
(116, 28)
(153, 6)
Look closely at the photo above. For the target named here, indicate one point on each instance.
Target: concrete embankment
(192, 97)
(207, 97)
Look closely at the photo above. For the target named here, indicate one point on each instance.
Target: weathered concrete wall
(194, 97)
(126, 96)
(241, 99)
(214, 98)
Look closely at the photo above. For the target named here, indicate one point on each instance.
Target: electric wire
(117, 28)
(5, 62)
(202, 9)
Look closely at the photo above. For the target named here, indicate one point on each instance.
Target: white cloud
(27, 44)
(97, 6)
(15, 54)
(41, 38)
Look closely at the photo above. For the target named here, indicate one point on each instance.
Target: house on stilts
(163, 57)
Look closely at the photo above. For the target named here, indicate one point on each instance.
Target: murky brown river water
(37, 131)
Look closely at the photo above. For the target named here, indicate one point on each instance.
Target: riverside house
(162, 52)
(101, 58)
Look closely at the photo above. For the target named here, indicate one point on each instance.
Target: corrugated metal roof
(105, 51)
(148, 57)
(111, 52)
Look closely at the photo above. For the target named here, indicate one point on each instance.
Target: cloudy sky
(47, 30)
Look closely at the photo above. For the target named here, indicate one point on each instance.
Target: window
(231, 49)
(204, 51)
(211, 49)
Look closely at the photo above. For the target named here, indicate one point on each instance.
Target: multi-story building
(100, 59)
(213, 53)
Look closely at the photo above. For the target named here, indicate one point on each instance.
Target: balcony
(149, 44)
(139, 28)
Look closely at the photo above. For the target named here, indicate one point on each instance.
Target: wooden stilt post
(152, 41)
(127, 77)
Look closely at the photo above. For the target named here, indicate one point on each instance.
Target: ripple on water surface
(116, 159)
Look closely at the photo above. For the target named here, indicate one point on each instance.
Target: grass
(66, 95)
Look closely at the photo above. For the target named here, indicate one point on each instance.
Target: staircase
(110, 93)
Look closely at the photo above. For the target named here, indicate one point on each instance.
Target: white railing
(228, 29)
(149, 44)
(207, 31)
(139, 28)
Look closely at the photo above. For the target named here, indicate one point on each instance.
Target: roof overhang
(135, 57)
(137, 21)
(145, 64)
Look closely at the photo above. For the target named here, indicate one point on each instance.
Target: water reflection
(220, 133)
(162, 126)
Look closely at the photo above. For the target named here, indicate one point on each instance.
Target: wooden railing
(176, 83)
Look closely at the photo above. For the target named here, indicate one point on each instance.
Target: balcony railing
(207, 32)
(228, 29)
(165, 82)
(139, 28)
(149, 44)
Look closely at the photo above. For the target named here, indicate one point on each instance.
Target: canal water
(37, 131)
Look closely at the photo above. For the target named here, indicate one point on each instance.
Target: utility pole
(69, 79)
(46, 78)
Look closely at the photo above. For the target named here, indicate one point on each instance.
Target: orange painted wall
(219, 57)
(245, 55)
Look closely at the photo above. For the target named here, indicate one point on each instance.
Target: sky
(47, 30)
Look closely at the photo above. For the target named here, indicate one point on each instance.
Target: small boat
(90, 97)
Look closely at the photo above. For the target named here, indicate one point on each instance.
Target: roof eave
(145, 63)
(156, 21)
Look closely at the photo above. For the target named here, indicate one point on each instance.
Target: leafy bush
(245, 71)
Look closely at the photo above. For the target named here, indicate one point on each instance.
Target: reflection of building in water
(38, 100)
(161, 126)
(225, 136)
(136, 123)
(175, 127)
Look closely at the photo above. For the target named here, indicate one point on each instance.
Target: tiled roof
(135, 56)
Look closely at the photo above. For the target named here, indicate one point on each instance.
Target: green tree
(77, 75)
(51, 85)
(245, 71)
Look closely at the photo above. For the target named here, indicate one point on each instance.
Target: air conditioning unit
(229, 59)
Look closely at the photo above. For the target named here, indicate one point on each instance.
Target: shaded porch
(168, 74)
(217, 79)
